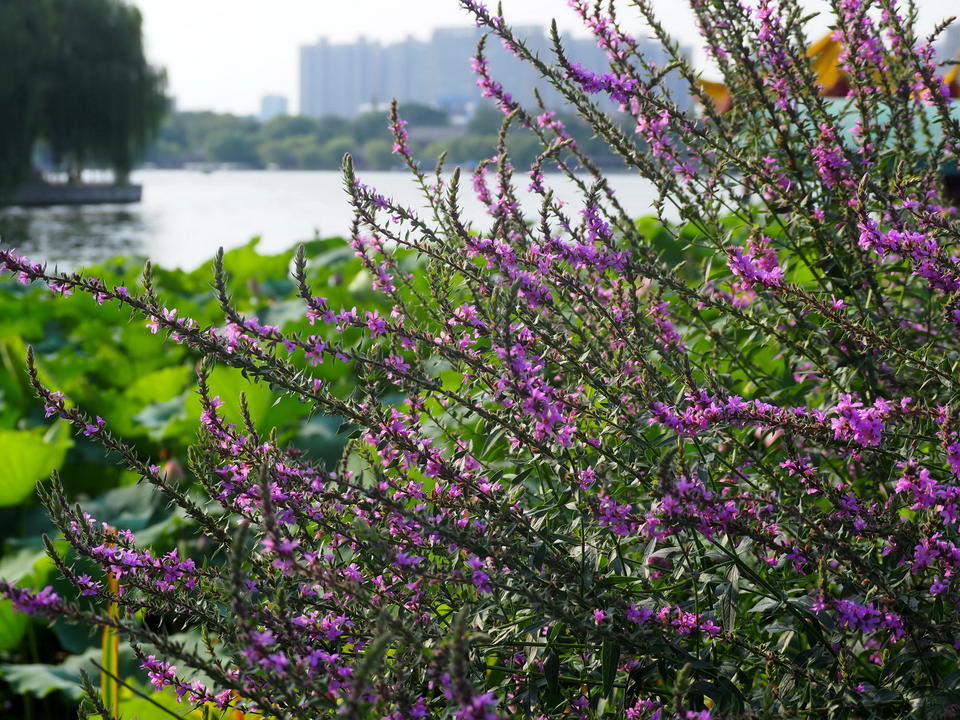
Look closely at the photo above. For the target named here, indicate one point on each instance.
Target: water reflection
(185, 216)
(74, 236)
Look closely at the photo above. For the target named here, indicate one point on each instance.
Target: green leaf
(40, 679)
(13, 626)
(159, 417)
(729, 598)
(338, 255)
(551, 671)
(159, 385)
(133, 706)
(361, 283)
(765, 604)
(28, 457)
(609, 659)
(228, 383)
(244, 265)
(323, 437)
(284, 313)
(140, 508)
(28, 568)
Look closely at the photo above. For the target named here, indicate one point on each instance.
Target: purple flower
(54, 404)
(924, 253)
(829, 159)
(376, 324)
(44, 603)
(756, 264)
(618, 87)
(868, 619)
(88, 586)
(405, 560)
(401, 137)
(95, 428)
(667, 337)
(616, 516)
(159, 672)
(479, 707)
(489, 87)
(61, 289)
(481, 581)
(864, 425)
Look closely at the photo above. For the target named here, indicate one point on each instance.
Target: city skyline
(344, 79)
(225, 55)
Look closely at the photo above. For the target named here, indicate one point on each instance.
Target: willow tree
(103, 102)
(73, 74)
(24, 27)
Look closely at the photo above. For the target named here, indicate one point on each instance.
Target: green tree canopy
(104, 101)
(334, 150)
(485, 121)
(234, 147)
(370, 125)
(73, 73)
(378, 154)
(285, 126)
(23, 56)
(424, 115)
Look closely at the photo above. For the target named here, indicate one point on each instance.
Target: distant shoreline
(185, 216)
(397, 171)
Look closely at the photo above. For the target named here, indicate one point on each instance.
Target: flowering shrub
(705, 470)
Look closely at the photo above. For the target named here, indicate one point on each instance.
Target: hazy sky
(226, 54)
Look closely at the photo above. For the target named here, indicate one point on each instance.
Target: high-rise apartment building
(346, 78)
(336, 79)
(272, 106)
(404, 71)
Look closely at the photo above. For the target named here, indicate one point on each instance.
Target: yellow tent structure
(824, 56)
(717, 93)
(952, 79)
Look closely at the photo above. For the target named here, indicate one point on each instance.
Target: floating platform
(45, 194)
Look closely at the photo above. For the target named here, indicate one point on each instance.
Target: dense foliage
(73, 74)
(22, 28)
(598, 468)
(303, 143)
(147, 388)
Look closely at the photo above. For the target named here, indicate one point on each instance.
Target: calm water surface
(185, 216)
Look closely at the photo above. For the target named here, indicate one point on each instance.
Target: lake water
(185, 216)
